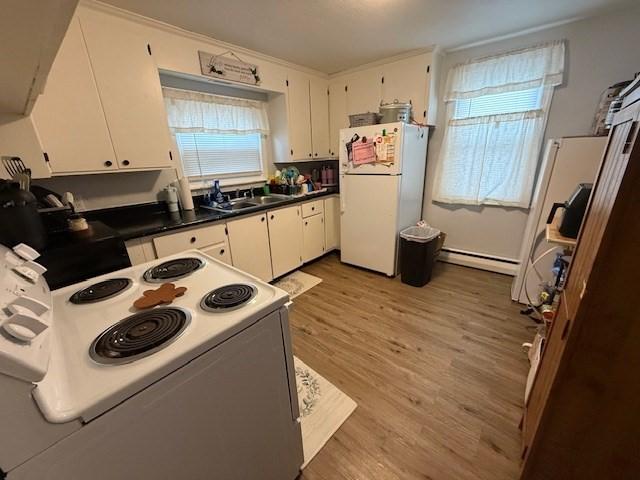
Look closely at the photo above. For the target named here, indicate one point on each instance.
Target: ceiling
(333, 35)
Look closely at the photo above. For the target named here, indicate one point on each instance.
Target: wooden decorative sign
(228, 66)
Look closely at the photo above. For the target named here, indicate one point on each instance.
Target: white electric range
(203, 387)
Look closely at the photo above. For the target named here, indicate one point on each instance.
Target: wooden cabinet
(581, 419)
(249, 242)
(331, 223)
(406, 80)
(211, 239)
(129, 89)
(285, 239)
(299, 120)
(313, 237)
(68, 117)
(319, 102)
(364, 91)
(308, 116)
(338, 118)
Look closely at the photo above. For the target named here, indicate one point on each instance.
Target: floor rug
(297, 283)
(323, 409)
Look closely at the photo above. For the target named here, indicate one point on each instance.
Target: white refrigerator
(566, 163)
(382, 196)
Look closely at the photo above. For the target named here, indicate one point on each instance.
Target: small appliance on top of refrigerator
(381, 186)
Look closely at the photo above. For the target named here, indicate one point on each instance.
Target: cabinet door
(338, 117)
(130, 91)
(332, 223)
(299, 116)
(200, 238)
(285, 238)
(219, 251)
(313, 237)
(319, 99)
(406, 81)
(364, 91)
(249, 243)
(69, 117)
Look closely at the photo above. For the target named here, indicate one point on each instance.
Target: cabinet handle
(222, 251)
(108, 163)
(313, 208)
(316, 154)
(306, 223)
(309, 154)
(262, 219)
(192, 239)
(271, 217)
(126, 163)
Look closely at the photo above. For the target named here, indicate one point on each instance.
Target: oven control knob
(23, 324)
(25, 251)
(31, 270)
(36, 306)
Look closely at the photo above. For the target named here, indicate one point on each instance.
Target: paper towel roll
(186, 200)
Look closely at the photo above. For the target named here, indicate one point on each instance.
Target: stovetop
(79, 385)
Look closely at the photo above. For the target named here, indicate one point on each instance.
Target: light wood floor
(438, 372)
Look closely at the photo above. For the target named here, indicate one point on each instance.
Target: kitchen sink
(247, 203)
(269, 199)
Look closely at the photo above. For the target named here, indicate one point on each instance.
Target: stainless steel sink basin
(269, 199)
(247, 203)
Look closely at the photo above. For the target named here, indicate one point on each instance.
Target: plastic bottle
(216, 193)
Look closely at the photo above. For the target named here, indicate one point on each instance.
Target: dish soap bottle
(216, 193)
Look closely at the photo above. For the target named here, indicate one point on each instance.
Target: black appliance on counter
(20, 221)
(72, 257)
(574, 210)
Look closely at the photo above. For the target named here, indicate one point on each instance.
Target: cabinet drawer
(192, 238)
(312, 208)
(219, 251)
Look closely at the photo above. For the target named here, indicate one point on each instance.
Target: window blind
(210, 154)
(496, 104)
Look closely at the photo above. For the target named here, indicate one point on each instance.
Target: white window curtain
(195, 112)
(496, 115)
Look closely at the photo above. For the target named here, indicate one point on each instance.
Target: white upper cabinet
(411, 79)
(68, 117)
(299, 116)
(364, 91)
(407, 81)
(308, 117)
(129, 88)
(319, 101)
(338, 118)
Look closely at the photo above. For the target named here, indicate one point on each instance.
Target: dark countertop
(151, 218)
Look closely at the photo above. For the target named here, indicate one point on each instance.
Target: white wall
(600, 52)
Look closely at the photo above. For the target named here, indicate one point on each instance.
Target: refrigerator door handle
(343, 194)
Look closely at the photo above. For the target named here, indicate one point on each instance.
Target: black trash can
(418, 246)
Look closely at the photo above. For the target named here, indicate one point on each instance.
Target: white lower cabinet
(331, 223)
(285, 239)
(313, 237)
(249, 242)
(210, 239)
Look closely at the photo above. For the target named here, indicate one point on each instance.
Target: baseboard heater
(492, 263)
